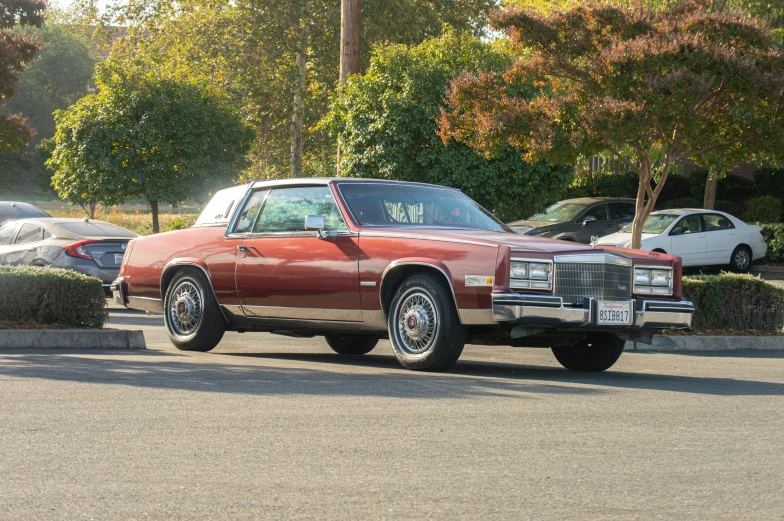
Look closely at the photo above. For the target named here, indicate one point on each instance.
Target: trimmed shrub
(766, 209)
(732, 301)
(730, 207)
(774, 236)
(769, 181)
(729, 188)
(686, 202)
(618, 185)
(676, 187)
(51, 296)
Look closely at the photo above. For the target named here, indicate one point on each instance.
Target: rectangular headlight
(660, 277)
(519, 270)
(538, 271)
(642, 277)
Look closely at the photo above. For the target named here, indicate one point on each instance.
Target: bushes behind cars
(50, 296)
(734, 302)
(774, 236)
(766, 209)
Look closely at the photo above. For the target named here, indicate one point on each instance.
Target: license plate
(613, 313)
(118, 258)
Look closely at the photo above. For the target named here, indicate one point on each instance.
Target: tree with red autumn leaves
(16, 50)
(652, 86)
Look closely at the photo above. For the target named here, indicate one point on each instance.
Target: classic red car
(358, 260)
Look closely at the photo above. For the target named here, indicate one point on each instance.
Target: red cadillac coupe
(357, 260)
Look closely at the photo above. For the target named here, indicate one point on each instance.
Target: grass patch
(139, 221)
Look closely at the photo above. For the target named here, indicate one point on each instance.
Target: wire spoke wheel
(186, 308)
(417, 323)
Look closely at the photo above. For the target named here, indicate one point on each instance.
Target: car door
(689, 240)
(7, 235)
(721, 237)
(23, 250)
(287, 272)
(595, 221)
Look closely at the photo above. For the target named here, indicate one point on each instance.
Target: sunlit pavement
(274, 427)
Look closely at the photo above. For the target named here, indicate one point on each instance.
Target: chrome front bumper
(117, 292)
(544, 310)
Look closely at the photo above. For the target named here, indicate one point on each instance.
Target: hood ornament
(594, 240)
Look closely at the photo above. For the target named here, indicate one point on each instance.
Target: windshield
(382, 204)
(560, 212)
(95, 229)
(656, 223)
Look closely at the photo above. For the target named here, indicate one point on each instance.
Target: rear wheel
(597, 352)
(740, 261)
(351, 344)
(191, 313)
(424, 327)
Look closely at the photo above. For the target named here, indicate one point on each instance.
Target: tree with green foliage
(387, 124)
(17, 49)
(278, 60)
(141, 135)
(651, 86)
(55, 79)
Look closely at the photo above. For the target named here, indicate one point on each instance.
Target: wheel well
(168, 275)
(397, 275)
(745, 246)
(658, 250)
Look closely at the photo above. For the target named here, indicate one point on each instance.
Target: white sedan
(699, 237)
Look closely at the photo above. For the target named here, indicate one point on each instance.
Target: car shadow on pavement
(372, 375)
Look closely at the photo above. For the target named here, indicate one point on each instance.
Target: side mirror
(677, 231)
(588, 220)
(316, 222)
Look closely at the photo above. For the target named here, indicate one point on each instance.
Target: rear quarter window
(222, 206)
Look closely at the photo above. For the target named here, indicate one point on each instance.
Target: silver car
(91, 247)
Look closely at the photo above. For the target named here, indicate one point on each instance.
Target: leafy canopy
(651, 86)
(386, 121)
(142, 135)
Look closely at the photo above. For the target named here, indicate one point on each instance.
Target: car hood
(621, 239)
(527, 226)
(517, 242)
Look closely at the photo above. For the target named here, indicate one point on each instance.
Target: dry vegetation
(138, 220)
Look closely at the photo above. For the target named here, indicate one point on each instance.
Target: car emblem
(621, 287)
(594, 240)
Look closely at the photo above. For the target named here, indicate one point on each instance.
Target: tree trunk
(639, 212)
(154, 209)
(711, 185)
(297, 138)
(350, 43)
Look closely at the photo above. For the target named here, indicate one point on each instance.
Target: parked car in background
(91, 247)
(10, 211)
(356, 260)
(578, 220)
(699, 237)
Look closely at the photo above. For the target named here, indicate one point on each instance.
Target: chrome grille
(574, 281)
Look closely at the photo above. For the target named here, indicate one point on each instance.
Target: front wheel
(191, 313)
(597, 352)
(424, 327)
(351, 344)
(740, 262)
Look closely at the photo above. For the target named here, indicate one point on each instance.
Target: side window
(599, 212)
(716, 221)
(286, 209)
(621, 211)
(7, 234)
(29, 233)
(250, 211)
(689, 224)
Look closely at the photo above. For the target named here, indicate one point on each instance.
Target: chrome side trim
(233, 309)
(544, 310)
(153, 305)
(368, 283)
(397, 264)
(176, 263)
(477, 317)
(375, 320)
(327, 315)
(594, 258)
(425, 238)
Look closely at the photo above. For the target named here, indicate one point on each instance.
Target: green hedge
(774, 236)
(51, 296)
(734, 302)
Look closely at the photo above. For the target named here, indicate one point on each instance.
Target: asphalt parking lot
(269, 427)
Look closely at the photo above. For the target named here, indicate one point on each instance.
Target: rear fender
(175, 264)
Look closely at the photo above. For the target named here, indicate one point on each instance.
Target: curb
(677, 343)
(768, 269)
(72, 339)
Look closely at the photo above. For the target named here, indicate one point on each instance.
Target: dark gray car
(10, 211)
(579, 219)
(91, 247)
